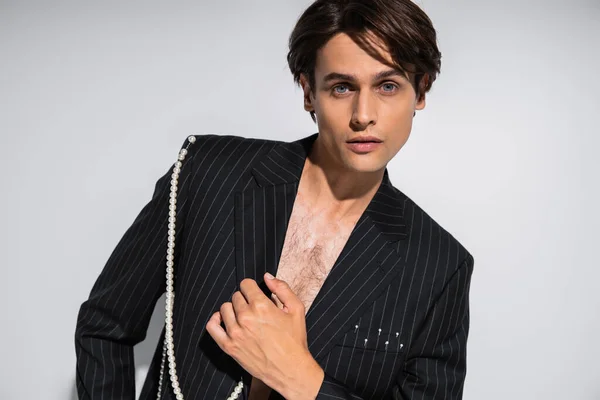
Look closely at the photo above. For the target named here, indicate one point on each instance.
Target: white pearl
(168, 345)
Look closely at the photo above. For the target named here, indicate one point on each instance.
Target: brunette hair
(403, 28)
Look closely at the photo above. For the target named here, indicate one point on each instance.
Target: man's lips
(363, 139)
(363, 145)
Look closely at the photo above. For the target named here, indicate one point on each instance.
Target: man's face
(356, 96)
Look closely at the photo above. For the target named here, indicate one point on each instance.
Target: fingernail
(269, 276)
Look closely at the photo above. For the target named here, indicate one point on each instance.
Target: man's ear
(308, 106)
(420, 101)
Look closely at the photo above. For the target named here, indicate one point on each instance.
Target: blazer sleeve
(116, 315)
(435, 367)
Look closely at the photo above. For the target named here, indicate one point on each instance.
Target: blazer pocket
(366, 371)
(373, 340)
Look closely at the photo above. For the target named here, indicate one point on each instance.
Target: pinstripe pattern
(401, 278)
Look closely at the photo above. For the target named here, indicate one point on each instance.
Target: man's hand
(268, 341)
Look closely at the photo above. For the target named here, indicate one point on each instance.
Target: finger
(239, 303)
(283, 292)
(228, 316)
(251, 291)
(276, 300)
(278, 303)
(214, 329)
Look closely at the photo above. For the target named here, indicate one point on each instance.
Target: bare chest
(311, 247)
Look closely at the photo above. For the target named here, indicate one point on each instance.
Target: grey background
(97, 97)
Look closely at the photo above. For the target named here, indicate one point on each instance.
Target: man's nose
(364, 112)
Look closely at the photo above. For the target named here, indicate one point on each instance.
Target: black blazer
(390, 322)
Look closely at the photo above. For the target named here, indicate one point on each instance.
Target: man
(370, 295)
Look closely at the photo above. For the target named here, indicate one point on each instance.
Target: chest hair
(311, 247)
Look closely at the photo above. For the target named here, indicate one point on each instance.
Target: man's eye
(389, 87)
(339, 89)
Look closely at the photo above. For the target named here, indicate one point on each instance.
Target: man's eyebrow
(352, 78)
(390, 72)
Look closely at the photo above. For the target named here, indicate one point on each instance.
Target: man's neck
(338, 191)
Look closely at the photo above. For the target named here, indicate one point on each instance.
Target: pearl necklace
(168, 346)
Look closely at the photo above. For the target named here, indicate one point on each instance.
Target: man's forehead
(341, 55)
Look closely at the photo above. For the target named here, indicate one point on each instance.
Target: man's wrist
(308, 382)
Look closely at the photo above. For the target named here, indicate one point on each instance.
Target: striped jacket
(390, 321)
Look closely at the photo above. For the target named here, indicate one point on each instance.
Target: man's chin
(367, 167)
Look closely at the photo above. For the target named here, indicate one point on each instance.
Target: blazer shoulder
(217, 146)
(422, 225)
(224, 157)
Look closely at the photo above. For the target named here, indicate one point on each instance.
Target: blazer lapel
(262, 213)
(365, 266)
